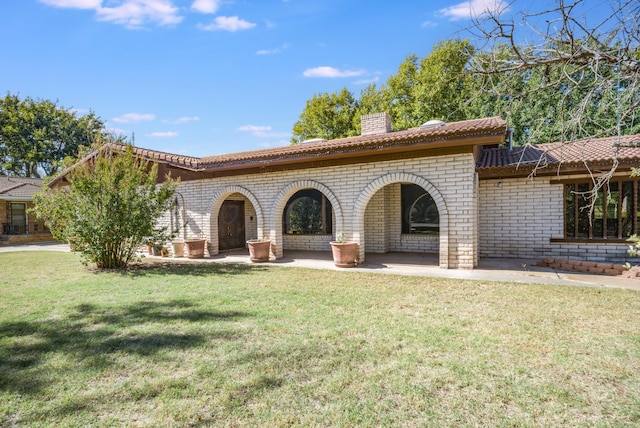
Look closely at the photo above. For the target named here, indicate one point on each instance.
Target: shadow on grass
(91, 337)
(186, 268)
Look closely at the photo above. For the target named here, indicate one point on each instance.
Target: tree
(579, 74)
(326, 116)
(423, 89)
(110, 207)
(37, 135)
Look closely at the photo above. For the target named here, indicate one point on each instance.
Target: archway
(372, 188)
(284, 203)
(243, 211)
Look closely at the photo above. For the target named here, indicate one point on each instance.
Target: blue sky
(204, 77)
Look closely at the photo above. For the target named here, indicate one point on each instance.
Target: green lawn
(249, 345)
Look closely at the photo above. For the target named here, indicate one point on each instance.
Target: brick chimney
(376, 123)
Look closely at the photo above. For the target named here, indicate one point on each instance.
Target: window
(419, 211)
(615, 213)
(308, 212)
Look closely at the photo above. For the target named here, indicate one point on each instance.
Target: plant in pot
(345, 253)
(194, 248)
(259, 250)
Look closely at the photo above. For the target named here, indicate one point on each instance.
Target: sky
(206, 77)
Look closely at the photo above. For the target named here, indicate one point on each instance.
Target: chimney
(376, 123)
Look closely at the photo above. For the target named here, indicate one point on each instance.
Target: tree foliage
(37, 135)
(326, 116)
(110, 208)
(568, 72)
(421, 90)
(577, 76)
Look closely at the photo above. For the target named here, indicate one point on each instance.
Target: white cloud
(429, 24)
(273, 51)
(331, 72)
(183, 119)
(262, 131)
(73, 4)
(167, 134)
(473, 8)
(205, 6)
(227, 23)
(136, 13)
(366, 81)
(134, 117)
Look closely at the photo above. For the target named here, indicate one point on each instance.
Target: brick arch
(214, 208)
(367, 193)
(281, 201)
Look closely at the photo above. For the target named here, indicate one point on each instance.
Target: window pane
(627, 208)
(569, 211)
(303, 214)
(598, 214)
(419, 211)
(612, 204)
(583, 210)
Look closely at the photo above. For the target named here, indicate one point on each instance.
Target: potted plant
(156, 249)
(259, 250)
(178, 248)
(345, 253)
(194, 248)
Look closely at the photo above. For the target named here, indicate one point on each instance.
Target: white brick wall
(518, 218)
(350, 189)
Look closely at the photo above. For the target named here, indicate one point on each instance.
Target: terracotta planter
(178, 249)
(259, 250)
(345, 254)
(195, 248)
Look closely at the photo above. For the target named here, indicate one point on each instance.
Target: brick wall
(518, 218)
(350, 189)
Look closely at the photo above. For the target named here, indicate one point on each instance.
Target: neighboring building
(441, 188)
(16, 222)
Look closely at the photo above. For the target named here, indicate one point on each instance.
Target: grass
(247, 345)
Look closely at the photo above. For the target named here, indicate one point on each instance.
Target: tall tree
(37, 135)
(579, 76)
(110, 208)
(426, 88)
(326, 116)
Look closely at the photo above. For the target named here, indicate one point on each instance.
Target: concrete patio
(511, 270)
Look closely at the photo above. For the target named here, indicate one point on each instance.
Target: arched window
(419, 211)
(308, 212)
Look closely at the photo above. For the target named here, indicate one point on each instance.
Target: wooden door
(231, 225)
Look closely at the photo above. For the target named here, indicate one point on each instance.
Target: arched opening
(400, 212)
(402, 218)
(236, 216)
(307, 221)
(333, 218)
(420, 214)
(307, 212)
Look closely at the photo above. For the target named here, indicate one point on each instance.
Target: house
(16, 222)
(450, 189)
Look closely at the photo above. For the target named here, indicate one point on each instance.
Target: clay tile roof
(589, 151)
(19, 187)
(454, 130)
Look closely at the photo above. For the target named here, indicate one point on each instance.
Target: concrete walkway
(511, 270)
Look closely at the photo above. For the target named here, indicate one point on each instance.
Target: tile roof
(454, 133)
(450, 131)
(590, 151)
(19, 187)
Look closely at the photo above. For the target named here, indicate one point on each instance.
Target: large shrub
(110, 208)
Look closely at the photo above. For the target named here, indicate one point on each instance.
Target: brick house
(17, 224)
(445, 188)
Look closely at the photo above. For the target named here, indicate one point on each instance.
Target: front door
(231, 225)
